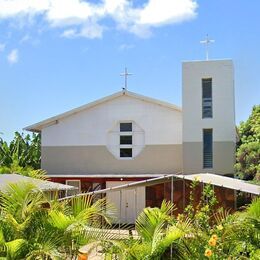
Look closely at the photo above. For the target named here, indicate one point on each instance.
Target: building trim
(104, 176)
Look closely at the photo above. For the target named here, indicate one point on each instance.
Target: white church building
(127, 137)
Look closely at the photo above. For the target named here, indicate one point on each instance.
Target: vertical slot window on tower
(207, 98)
(207, 148)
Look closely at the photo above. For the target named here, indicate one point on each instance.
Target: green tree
(22, 155)
(248, 150)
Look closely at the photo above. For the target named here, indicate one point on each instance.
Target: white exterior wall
(160, 124)
(223, 121)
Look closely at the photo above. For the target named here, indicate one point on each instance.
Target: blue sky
(56, 55)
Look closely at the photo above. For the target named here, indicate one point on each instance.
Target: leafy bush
(248, 148)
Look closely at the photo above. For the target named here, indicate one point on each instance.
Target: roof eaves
(54, 120)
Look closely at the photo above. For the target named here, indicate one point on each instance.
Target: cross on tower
(125, 74)
(207, 42)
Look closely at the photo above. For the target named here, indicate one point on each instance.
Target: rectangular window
(207, 98)
(207, 148)
(125, 127)
(126, 152)
(75, 183)
(126, 139)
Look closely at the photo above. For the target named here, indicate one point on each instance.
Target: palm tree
(79, 222)
(33, 227)
(157, 231)
(23, 150)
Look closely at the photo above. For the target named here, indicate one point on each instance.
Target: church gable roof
(52, 120)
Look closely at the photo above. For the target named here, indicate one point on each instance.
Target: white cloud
(9, 8)
(2, 47)
(85, 19)
(13, 56)
(70, 33)
(125, 46)
(166, 11)
(89, 30)
(92, 30)
(25, 38)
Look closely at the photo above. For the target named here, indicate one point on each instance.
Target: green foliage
(217, 234)
(248, 161)
(22, 156)
(23, 151)
(157, 232)
(201, 213)
(249, 131)
(32, 227)
(248, 151)
(201, 232)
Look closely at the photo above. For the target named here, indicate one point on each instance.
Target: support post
(120, 209)
(183, 194)
(172, 189)
(135, 203)
(235, 200)
(172, 202)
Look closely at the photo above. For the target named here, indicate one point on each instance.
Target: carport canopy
(207, 178)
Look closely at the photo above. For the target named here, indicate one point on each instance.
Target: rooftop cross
(207, 41)
(125, 74)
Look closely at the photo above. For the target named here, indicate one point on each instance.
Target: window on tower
(207, 148)
(207, 98)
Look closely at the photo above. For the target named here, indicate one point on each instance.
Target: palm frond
(253, 210)
(14, 248)
(59, 220)
(221, 216)
(46, 246)
(150, 218)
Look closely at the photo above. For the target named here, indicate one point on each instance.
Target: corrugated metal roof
(6, 179)
(223, 181)
(101, 176)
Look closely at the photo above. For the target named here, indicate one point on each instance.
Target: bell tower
(209, 131)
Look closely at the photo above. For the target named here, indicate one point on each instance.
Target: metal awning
(214, 179)
(102, 176)
(226, 182)
(6, 179)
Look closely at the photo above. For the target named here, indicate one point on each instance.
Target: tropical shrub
(218, 234)
(33, 227)
(23, 151)
(248, 148)
(158, 232)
